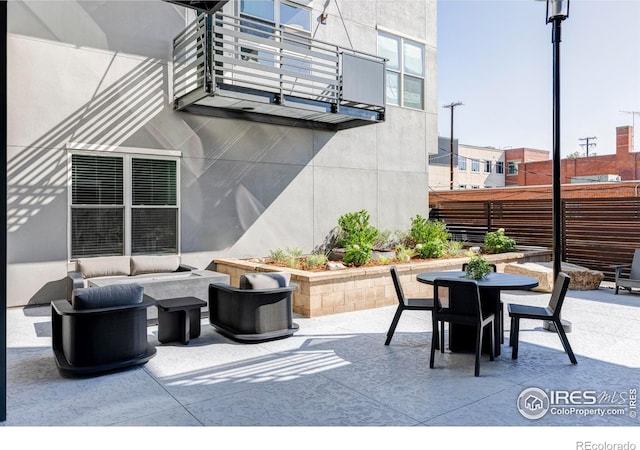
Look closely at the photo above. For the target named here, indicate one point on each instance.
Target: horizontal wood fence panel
(596, 233)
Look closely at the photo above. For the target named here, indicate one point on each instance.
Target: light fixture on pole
(557, 11)
(451, 106)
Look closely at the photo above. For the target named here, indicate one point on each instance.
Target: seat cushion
(154, 264)
(107, 296)
(105, 266)
(267, 280)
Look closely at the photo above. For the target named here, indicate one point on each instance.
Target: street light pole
(451, 106)
(557, 11)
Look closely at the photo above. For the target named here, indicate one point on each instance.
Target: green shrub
(453, 248)
(357, 237)
(356, 229)
(404, 253)
(430, 237)
(315, 261)
(357, 255)
(498, 242)
(278, 255)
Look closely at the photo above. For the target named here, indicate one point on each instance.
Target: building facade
(473, 167)
(102, 160)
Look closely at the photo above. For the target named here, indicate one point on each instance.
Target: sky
(496, 57)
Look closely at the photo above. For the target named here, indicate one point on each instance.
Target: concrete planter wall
(332, 292)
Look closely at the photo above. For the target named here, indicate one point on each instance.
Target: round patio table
(462, 337)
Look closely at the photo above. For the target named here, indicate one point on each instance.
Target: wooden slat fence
(596, 233)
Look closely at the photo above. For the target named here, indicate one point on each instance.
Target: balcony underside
(262, 106)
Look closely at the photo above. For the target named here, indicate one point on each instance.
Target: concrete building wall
(99, 74)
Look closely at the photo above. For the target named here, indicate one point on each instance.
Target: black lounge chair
(261, 309)
(551, 313)
(632, 278)
(103, 329)
(500, 317)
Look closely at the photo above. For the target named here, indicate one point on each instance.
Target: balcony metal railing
(250, 64)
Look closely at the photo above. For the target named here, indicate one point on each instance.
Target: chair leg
(501, 318)
(442, 336)
(394, 324)
(511, 332)
(434, 338)
(479, 335)
(515, 331)
(617, 289)
(492, 351)
(565, 341)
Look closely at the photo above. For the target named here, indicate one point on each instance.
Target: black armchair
(261, 309)
(630, 279)
(102, 329)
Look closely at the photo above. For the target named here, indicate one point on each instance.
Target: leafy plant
(356, 254)
(278, 256)
(358, 237)
(356, 229)
(430, 237)
(453, 248)
(477, 267)
(315, 260)
(498, 242)
(403, 253)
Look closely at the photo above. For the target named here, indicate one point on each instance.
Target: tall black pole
(3, 194)
(557, 211)
(451, 106)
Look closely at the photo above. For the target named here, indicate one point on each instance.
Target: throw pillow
(107, 296)
(268, 280)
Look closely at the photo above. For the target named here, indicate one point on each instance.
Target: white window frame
(475, 165)
(462, 163)
(487, 166)
(127, 154)
(499, 167)
(400, 71)
(512, 167)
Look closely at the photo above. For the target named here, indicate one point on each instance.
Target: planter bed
(351, 289)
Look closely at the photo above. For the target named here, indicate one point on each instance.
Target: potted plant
(477, 267)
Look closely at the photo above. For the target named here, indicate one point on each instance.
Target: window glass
(487, 166)
(512, 167)
(389, 48)
(412, 92)
(100, 225)
(475, 165)
(413, 58)
(258, 8)
(499, 167)
(393, 88)
(462, 163)
(295, 16)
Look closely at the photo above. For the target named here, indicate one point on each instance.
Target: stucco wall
(100, 73)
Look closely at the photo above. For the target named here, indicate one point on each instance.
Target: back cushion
(268, 280)
(104, 266)
(107, 296)
(154, 264)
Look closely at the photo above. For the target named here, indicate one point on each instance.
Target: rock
(582, 278)
(332, 265)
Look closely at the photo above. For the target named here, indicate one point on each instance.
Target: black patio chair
(550, 313)
(500, 318)
(404, 303)
(465, 308)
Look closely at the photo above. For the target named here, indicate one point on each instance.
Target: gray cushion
(107, 296)
(154, 264)
(104, 266)
(268, 280)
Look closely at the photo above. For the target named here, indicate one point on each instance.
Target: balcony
(234, 67)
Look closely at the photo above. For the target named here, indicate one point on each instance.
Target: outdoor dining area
(336, 370)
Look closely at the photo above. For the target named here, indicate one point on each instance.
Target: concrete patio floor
(337, 372)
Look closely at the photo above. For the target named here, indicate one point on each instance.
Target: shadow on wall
(37, 175)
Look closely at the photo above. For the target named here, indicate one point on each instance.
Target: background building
(90, 99)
